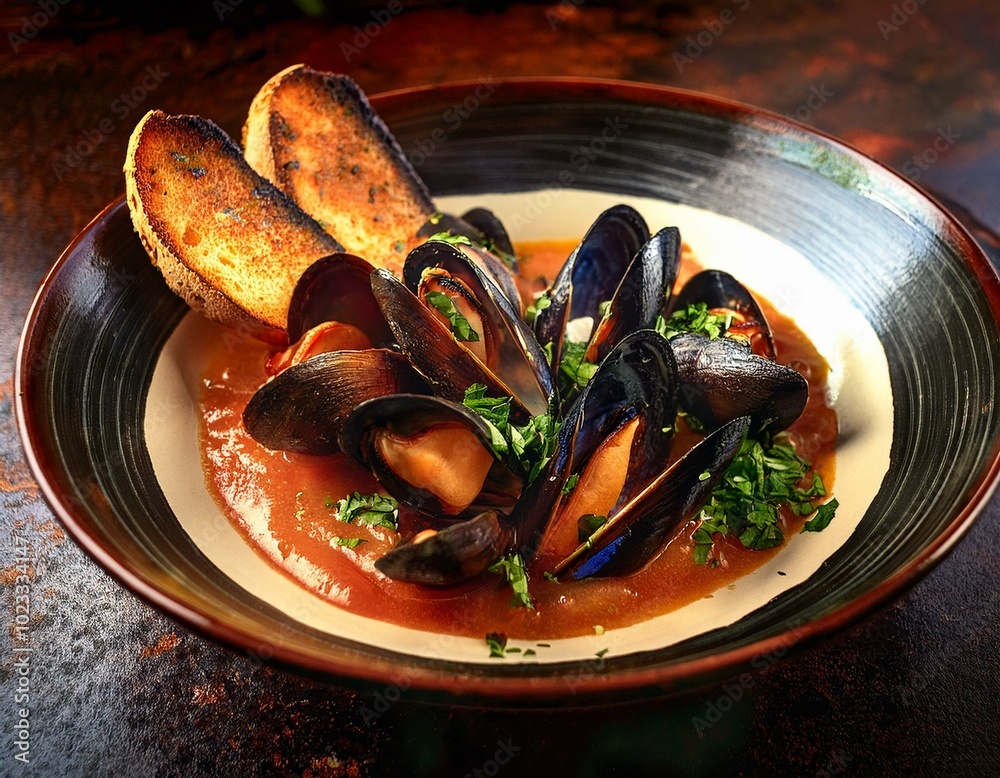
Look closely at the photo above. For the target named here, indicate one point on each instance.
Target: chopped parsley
(542, 301)
(463, 240)
(373, 509)
(763, 476)
(823, 517)
(460, 326)
(497, 642)
(587, 525)
(531, 446)
(694, 318)
(454, 240)
(571, 483)
(346, 542)
(575, 371)
(512, 569)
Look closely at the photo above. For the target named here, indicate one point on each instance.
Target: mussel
(338, 359)
(591, 275)
(448, 556)
(735, 375)
(430, 454)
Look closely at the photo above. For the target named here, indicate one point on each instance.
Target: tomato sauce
(284, 505)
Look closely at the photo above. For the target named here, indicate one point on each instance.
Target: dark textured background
(119, 690)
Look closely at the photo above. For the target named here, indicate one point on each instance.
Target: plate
(876, 272)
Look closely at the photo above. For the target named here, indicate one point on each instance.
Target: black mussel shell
(639, 298)
(304, 408)
(408, 415)
(433, 351)
(722, 379)
(591, 274)
(719, 289)
(638, 377)
(636, 534)
(492, 229)
(450, 556)
(337, 288)
(521, 363)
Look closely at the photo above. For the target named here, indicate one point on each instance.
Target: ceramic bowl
(894, 291)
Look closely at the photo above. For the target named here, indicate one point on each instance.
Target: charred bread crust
(226, 239)
(317, 137)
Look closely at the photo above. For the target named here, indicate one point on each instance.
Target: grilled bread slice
(317, 138)
(225, 239)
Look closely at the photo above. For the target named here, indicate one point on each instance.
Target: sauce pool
(284, 505)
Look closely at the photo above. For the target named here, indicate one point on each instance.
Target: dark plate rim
(494, 688)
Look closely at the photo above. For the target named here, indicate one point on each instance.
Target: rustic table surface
(117, 689)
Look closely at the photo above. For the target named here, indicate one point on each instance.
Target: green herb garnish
(763, 476)
(512, 569)
(497, 642)
(587, 525)
(575, 371)
(346, 542)
(694, 318)
(454, 240)
(823, 517)
(373, 509)
(571, 483)
(542, 301)
(530, 446)
(460, 326)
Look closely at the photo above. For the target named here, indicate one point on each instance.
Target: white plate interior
(858, 381)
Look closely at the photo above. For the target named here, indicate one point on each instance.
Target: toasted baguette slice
(316, 136)
(225, 239)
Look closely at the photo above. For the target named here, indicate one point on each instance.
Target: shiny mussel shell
(433, 350)
(518, 359)
(636, 384)
(303, 408)
(449, 556)
(591, 274)
(722, 379)
(633, 536)
(337, 288)
(431, 454)
(720, 290)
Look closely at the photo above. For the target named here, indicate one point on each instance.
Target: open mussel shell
(430, 454)
(337, 288)
(591, 274)
(449, 556)
(519, 360)
(722, 379)
(492, 229)
(636, 534)
(719, 289)
(435, 353)
(303, 408)
(639, 298)
(485, 231)
(637, 380)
